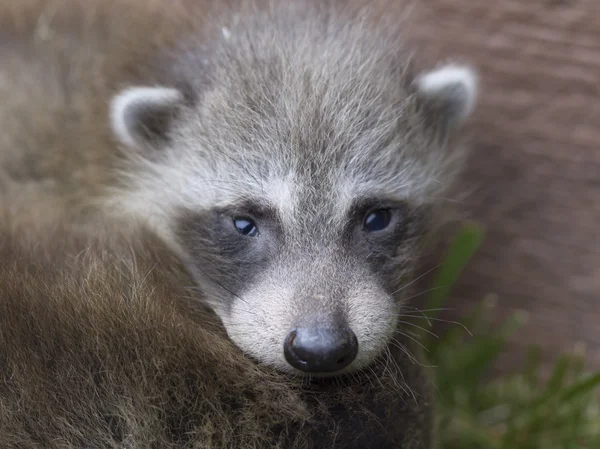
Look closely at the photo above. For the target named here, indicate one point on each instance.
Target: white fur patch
(457, 84)
(260, 320)
(281, 193)
(125, 104)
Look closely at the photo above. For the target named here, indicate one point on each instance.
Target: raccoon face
(297, 192)
(311, 290)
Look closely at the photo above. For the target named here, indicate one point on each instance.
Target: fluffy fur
(103, 346)
(303, 116)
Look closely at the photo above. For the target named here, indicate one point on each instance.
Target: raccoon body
(279, 163)
(288, 154)
(102, 346)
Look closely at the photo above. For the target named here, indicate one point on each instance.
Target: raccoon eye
(245, 226)
(377, 220)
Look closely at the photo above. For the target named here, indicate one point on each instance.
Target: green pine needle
(525, 410)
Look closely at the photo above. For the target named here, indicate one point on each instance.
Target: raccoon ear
(450, 91)
(141, 116)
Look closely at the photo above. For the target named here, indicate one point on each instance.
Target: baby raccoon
(293, 162)
(102, 346)
(286, 151)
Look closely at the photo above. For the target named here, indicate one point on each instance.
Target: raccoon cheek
(140, 117)
(450, 92)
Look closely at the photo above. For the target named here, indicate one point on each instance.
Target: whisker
(419, 327)
(406, 351)
(416, 279)
(458, 323)
(421, 293)
(417, 310)
(217, 283)
(404, 386)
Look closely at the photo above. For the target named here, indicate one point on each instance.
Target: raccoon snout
(321, 350)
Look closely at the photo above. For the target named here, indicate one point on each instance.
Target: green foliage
(525, 410)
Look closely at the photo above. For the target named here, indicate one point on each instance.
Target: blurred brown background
(536, 160)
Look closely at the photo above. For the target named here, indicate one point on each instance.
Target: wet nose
(320, 350)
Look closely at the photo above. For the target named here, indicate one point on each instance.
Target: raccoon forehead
(382, 160)
(283, 181)
(292, 192)
(376, 150)
(280, 176)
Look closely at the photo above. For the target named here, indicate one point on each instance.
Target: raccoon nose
(320, 350)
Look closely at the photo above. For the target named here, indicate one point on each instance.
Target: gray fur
(297, 117)
(313, 114)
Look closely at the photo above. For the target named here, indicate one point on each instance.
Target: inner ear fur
(142, 116)
(449, 94)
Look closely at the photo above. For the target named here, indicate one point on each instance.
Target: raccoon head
(297, 183)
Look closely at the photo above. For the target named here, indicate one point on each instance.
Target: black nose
(320, 350)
